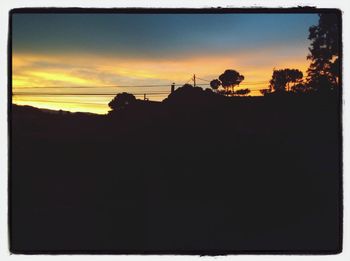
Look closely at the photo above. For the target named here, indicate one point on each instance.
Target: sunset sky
(86, 53)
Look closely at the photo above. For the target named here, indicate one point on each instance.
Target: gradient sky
(141, 49)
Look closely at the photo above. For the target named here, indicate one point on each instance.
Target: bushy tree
(121, 101)
(229, 79)
(324, 53)
(294, 76)
(281, 79)
(215, 84)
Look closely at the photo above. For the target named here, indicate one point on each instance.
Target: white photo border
(7, 5)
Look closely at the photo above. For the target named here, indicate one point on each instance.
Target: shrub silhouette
(215, 84)
(121, 101)
(242, 92)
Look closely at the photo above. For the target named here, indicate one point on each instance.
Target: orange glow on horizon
(40, 71)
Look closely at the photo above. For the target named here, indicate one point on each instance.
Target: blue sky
(157, 35)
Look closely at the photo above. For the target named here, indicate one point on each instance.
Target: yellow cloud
(57, 76)
(94, 70)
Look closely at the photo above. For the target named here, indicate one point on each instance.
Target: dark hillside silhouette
(181, 174)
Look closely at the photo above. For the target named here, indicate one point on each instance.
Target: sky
(93, 54)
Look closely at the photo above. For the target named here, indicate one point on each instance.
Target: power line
(155, 93)
(64, 94)
(255, 82)
(77, 94)
(124, 86)
(189, 80)
(206, 84)
(87, 87)
(202, 79)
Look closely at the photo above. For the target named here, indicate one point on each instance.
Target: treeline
(322, 75)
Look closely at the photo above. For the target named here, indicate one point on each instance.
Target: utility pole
(194, 80)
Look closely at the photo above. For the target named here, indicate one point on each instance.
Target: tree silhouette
(121, 101)
(294, 76)
(229, 79)
(215, 84)
(265, 92)
(300, 88)
(281, 79)
(324, 53)
(242, 92)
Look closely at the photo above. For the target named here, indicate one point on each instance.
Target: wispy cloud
(38, 70)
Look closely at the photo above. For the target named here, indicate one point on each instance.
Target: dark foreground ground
(247, 174)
